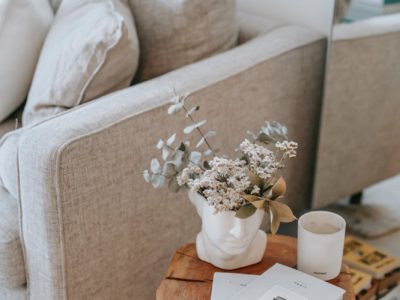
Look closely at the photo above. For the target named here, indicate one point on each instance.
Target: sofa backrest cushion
(174, 33)
(23, 28)
(91, 50)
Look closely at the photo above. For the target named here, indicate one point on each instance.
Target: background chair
(359, 138)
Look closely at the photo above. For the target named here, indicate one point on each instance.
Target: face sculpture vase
(226, 241)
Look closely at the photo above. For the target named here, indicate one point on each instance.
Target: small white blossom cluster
(222, 185)
(288, 148)
(189, 174)
(226, 180)
(225, 183)
(262, 161)
(256, 190)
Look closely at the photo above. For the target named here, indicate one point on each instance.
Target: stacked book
(375, 275)
(374, 272)
(364, 9)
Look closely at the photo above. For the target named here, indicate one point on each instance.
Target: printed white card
(226, 285)
(280, 293)
(298, 283)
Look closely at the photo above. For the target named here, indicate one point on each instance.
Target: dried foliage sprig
(177, 157)
(243, 185)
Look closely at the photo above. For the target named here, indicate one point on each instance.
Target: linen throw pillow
(23, 28)
(91, 50)
(174, 33)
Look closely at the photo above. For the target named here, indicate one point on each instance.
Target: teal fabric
(391, 1)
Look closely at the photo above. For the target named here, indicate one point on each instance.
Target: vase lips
(237, 242)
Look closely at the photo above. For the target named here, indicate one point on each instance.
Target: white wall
(315, 14)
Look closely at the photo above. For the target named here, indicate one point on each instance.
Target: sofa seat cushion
(17, 293)
(12, 122)
(12, 265)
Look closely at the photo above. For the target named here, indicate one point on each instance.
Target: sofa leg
(356, 199)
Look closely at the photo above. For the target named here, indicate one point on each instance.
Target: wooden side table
(189, 278)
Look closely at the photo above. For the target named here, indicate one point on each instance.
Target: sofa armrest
(91, 227)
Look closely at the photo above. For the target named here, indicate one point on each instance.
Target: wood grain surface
(189, 278)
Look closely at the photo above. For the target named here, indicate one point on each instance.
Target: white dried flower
(288, 148)
(262, 161)
(222, 185)
(256, 190)
(189, 174)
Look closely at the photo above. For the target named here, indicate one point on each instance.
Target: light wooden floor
(390, 243)
(385, 193)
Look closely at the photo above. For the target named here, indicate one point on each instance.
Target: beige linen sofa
(89, 227)
(359, 137)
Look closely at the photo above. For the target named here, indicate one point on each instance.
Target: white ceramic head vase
(226, 241)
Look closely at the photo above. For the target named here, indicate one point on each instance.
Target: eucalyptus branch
(172, 149)
(254, 175)
(199, 130)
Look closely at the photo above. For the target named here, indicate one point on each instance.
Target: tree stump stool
(189, 278)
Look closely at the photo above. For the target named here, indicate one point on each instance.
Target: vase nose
(238, 229)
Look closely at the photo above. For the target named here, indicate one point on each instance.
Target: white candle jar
(320, 244)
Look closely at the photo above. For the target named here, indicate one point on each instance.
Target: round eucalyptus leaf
(157, 181)
(195, 157)
(208, 152)
(169, 170)
(177, 158)
(171, 139)
(160, 144)
(165, 153)
(190, 128)
(192, 110)
(146, 176)
(155, 166)
(173, 109)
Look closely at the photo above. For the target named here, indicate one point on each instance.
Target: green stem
(199, 131)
